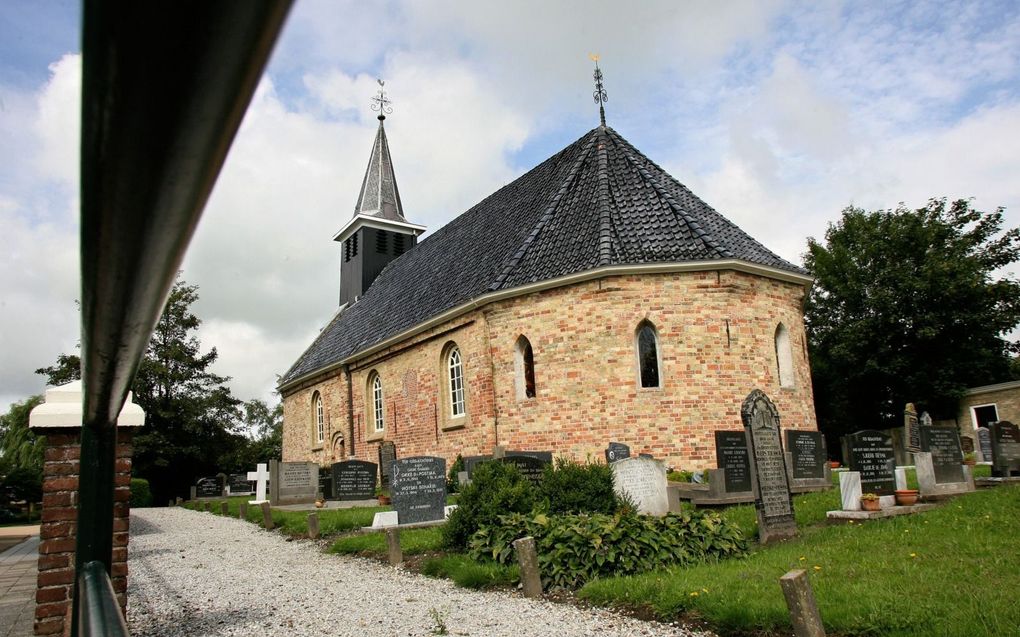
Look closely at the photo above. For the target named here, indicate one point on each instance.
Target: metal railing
(99, 613)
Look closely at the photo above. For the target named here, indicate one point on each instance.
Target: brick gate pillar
(59, 419)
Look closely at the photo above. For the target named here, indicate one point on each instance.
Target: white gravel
(192, 573)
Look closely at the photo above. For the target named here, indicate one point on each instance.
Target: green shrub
(141, 496)
(575, 549)
(571, 487)
(496, 489)
(453, 480)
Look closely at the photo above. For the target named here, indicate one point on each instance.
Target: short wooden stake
(801, 601)
(313, 526)
(393, 550)
(179, 500)
(267, 516)
(208, 507)
(224, 508)
(527, 557)
(242, 510)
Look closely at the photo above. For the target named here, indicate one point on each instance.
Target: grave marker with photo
(617, 451)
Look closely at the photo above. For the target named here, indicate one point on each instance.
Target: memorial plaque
(912, 429)
(1005, 447)
(470, 462)
(208, 487)
(530, 467)
(354, 480)
(293, 482)
(871, 453)
(807, 449)
(544, 456)
(617, 451)
(387, 455)
(643, 481)
(419, 489)
(731, 456)
(239, 484)
(772, 499)
(946, 454)
(984, 436)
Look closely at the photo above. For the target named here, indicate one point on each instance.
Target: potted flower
(834, 464)
(384, 497)
(970, 458)
(869, 502)
(906, 497)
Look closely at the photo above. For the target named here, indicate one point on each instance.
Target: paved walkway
(18, 571)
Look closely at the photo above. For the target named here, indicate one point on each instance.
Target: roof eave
(379, 223)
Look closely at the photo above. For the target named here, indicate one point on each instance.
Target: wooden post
(801, 601)
(171, 503)
(224, 508)
(208, 507)
(527, 557)
(179, 499)
(393, 550)
(267, 516)
(313, 526)
(242, 510)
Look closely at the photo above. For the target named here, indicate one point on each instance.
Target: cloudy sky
(778, 114)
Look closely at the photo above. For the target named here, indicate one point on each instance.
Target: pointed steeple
(379, 195)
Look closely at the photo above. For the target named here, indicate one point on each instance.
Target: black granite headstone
(239, 484)
(807, 450)
(208, 487)
(772, 498)
(326, 483)
(731, 456)
(544, 456)
(387, 455)
(354, 480)
(617, 451)
(528, 466)
(470, 462)
(419, 489)
(1005, 448)
(946, 454)
(872, 454)
(984, 436)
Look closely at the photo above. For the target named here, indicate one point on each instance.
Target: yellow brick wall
(716, 343)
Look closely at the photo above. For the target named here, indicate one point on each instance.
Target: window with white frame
(784, 356)
(378, 418)
(320, 428)
(455, 367)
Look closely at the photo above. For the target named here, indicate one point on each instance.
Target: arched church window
(648, 354)
(455, 367)
(784, 356)
(317, 418)
(524, 368)
(377, 407)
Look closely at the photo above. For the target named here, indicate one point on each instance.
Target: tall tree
(21, 453)
(907, 307)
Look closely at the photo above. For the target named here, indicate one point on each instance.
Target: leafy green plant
(141, 496)
(496, 489)
(452, 479)
(572, 487)
(438, 622)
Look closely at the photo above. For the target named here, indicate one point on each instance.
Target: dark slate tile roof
(597, 202)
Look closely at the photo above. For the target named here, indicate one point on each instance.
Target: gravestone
(773, 501)
(261, 479)
(807, 453)
(209, 487)
(643, 480)
(925, 421)
(293, 482)
(617, 451)
(946, 454)
(967, 444)
(470, 462)
(387, 455)
(544, 456)
(325, 483)
(354, 480)
(912, 429)
(238, 484)
(984, 436)
(418, 489)
(528, 466)
(731, 456)
(1005, 448)
(871, 454)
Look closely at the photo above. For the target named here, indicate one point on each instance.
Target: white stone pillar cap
(62, 407)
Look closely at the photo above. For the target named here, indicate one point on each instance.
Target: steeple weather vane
(382, 103)
(601, 97)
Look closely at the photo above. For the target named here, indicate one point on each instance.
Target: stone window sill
(454, 423)
(374, 436)
(317, 447)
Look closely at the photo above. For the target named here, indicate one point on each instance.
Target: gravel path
(197, 574)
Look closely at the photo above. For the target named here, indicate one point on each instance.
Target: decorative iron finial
(600, 95)
(381, 103)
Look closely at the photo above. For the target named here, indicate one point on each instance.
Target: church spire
(379, 196)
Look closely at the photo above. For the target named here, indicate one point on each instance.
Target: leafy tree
(265, 427)
(21, 454)
(907, 307)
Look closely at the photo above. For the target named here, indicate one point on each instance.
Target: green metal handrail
(99, 614)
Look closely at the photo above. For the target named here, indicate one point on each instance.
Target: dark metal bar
(164, 88)
(100, 613)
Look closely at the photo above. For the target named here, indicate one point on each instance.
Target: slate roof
(598, 202)
(379, 196)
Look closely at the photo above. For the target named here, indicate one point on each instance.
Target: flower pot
(384, 499)
(870, 505)
(906, 497)
(319, 504)
(834, 464)
(970, 463)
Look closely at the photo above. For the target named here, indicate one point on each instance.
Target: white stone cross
(261, 476)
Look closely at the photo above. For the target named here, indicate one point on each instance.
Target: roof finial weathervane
(381, 103)
(601, 97)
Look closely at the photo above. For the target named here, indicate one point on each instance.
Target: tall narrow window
(320, 429)
(524, 368)
(784, 357)
(377, 404)
(456, 369)
(648, 355)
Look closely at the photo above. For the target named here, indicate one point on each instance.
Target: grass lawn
(951, 571)
(331, 521)
(412, 542)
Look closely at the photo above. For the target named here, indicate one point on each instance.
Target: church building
(594, 299)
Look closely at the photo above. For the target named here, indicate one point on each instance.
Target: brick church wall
(716, 339)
